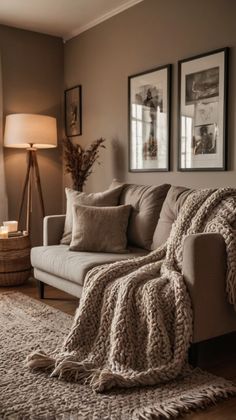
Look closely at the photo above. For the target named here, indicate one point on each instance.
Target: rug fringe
(39, 360)
(190, 402)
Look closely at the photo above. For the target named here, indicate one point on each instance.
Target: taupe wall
(32, 73)
(150, 34)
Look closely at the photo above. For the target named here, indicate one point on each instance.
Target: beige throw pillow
(100, 199)
(100, 229)
(174, 201)
(146, 202)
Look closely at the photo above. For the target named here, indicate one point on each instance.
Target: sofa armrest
(204, 270)
(53, 229)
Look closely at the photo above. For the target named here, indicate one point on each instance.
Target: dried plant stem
(79, 162)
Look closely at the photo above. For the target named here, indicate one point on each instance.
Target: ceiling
(63, 18)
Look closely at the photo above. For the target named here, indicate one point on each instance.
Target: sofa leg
(41, 289)
(193, 355)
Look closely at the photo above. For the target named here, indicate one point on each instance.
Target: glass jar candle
(12, 225)
(3, 232)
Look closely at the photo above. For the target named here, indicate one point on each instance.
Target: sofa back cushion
(175, 198)
(100, 199)
(146, 202)
(100, 229)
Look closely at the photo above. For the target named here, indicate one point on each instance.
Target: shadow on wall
(118, 159)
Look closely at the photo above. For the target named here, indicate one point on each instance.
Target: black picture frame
(149, 104)
(73, 111)
(202, 111)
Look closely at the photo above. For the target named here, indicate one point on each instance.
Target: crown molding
(100, 19)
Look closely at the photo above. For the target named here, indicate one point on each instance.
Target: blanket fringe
(190, 402)
(40, 360)
(105, 380)
(73, 371)
(70, 370)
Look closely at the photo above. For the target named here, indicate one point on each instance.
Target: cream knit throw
(133, 326)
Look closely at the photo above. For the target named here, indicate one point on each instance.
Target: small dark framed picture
(73, 111)
(149, 120)
(203, 112)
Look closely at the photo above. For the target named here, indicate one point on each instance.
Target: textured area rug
(26, 324)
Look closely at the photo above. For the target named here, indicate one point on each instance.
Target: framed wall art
(202, 112)
(73, 111)
(149, 120)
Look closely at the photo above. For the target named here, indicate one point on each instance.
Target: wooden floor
(217, 356)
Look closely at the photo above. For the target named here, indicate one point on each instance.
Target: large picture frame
(203, 112)
(149, 120)
(73, 111)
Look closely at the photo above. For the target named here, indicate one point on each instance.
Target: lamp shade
(25, 130)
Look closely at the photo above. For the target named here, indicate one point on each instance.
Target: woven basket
(15, 265)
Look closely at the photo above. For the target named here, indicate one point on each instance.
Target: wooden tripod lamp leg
(38, 182)
(32, 170)
(26, 183)
(29, 201)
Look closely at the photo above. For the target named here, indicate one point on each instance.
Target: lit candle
(12, 225)
(3, 232)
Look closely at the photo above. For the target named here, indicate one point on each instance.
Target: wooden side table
(15, 265)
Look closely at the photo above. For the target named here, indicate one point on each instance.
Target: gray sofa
(204, 257)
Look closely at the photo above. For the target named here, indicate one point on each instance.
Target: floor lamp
(30, 132)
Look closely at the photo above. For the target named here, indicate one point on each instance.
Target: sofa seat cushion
(146, 202)
(73, 266)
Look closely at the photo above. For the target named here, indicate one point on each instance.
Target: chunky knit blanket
(133, 326)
